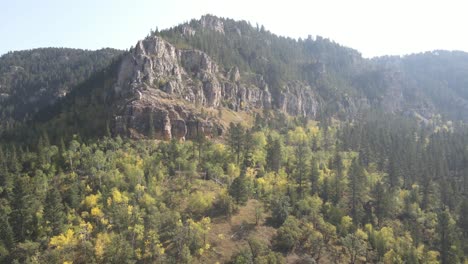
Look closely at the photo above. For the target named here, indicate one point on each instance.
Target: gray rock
(166, 83)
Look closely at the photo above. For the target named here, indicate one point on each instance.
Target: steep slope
(32, 79)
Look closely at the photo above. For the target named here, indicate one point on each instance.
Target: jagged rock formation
(191, 75)
(166, 83)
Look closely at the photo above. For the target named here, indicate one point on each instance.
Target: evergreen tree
(6, 232)
(200, 142)
(15, 162)
(302, 154)
(6, 180)
(364, 155)
(325, 192)
(54, 211)
(380, 202)
(394, 171)
(280, 210)
(356, 186)
(446, 238)
(274, 154)
(247, 151)
(22, 209)
(239, 189)
(337, 165)
(236, 134)
(314, 177)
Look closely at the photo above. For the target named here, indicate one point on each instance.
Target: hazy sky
(373, 27)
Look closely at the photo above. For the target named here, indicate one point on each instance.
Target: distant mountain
(33, 79)
(435, 81)
(176, 83)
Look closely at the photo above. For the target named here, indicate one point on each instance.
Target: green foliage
(225, 205)
(357, 188)
(314, 177)
(274, 154)
(32, 79)
(355, 246)
(54, 212)
(288, 234)
(280, 210)
(380, 188)
(118, 200)
(240, 189)
(236, 134)
(257, 252)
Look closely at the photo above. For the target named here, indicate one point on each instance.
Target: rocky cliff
(166, 86)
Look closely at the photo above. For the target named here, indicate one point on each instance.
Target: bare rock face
(298, 100)
(163, 84)
(212, 23)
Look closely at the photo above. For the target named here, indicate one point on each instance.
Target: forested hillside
(33, 79)
(379, 190)
(219, 142)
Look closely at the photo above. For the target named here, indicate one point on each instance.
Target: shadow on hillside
(242, 231)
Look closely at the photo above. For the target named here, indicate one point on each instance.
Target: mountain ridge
(159, 84)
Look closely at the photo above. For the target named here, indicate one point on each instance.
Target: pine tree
(14, 162)
(338, 167)
(236, 135)
(356, 186)
(54, 213)
(22, 215)
(280, 210)
(380, 202)
(314, 144)
(274, 154)
(394, 171)
(200, 142)
(6, 232)
(444, 236)
(301, 152)
(314, 177)
(364, 155)
(247, 150)
(239, 189)
(325, 193)
(6, 180)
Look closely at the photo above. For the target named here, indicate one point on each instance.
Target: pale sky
(372, 27)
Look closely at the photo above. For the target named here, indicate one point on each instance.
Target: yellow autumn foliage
(117, 197)
(102, 241)
(91, 200)
(96, 212)
(66, 239)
